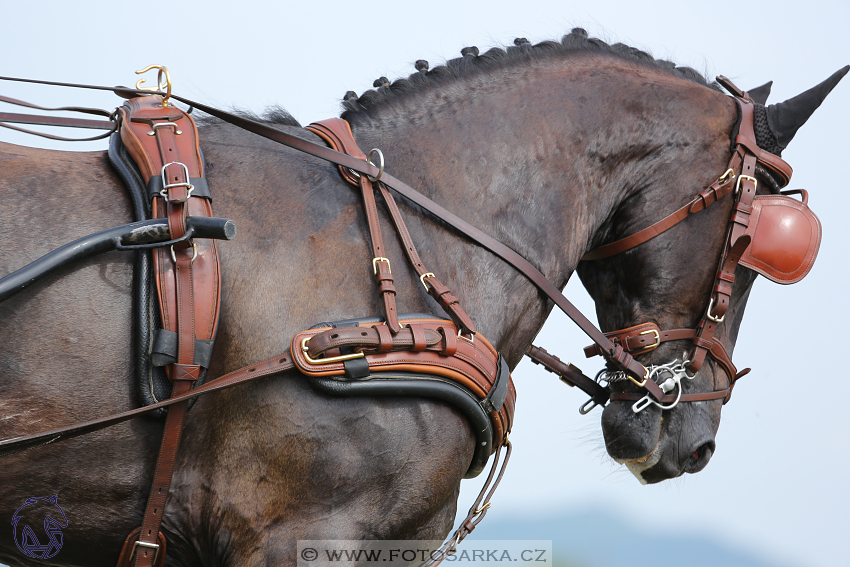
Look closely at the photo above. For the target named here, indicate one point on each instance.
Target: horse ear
(759, 94)
(785, 118)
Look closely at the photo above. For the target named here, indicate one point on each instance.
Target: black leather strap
(200, 187)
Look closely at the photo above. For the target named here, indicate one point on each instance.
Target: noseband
(756, 239)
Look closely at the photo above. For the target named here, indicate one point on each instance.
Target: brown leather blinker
(786, 237)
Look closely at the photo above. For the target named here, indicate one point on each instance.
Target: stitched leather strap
(372, 337)
(476, 512)
(163, 142)
(705, 199)
(568, 374)
(337, 133)
(646, 337)
(109, 125)
(274, 365)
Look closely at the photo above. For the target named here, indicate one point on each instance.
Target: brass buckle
(331, 360)
(422, 279)
(657, 342)
(470, 340)
(144, 544)
(728, 174)
(375, 264)
(642, 383)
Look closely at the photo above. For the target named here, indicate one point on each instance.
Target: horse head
(662, 441)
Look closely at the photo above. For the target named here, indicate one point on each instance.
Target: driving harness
(418, 354)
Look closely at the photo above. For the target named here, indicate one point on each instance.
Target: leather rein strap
(615, 354)
(110, 124)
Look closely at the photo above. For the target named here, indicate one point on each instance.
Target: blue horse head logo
(26, 538)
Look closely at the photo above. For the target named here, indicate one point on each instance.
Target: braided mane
(577, 41)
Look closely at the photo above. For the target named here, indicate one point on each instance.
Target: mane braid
(573, 43)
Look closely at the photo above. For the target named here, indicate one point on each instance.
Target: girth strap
(164, 143)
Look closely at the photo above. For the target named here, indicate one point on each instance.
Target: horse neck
(539, 157)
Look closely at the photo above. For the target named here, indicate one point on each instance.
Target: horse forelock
(471, 63)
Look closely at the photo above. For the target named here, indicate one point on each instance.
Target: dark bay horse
(553, 149)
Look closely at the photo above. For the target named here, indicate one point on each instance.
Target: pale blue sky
(777, 483)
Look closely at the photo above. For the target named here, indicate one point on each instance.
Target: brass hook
(161, 86)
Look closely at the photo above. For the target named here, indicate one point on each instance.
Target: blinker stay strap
(705, 199)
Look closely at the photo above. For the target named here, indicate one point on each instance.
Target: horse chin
(656, 445)
(638, 466)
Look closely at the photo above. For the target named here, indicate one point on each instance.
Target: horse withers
(554, 149)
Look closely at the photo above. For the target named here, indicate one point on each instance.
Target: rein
(613, 353)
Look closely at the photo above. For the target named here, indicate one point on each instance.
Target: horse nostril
(700, 457)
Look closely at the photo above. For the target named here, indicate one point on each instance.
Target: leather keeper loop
(743, 208)
(385, 338)
(723, 288)
(726, 276)
(419, 343)
(450, 341)
(185, 372)
(709, 197)
(741, 218)
(385, 283)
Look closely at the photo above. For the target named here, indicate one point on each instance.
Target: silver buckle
(194, 253)
(166, 186)
(708, 314)
(154, 546)
(177, 130)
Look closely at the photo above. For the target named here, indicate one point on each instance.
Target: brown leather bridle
(740, 181)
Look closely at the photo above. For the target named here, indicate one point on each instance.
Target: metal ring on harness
(380, 167)
(194, 253)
